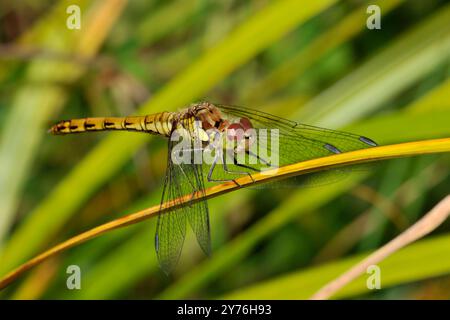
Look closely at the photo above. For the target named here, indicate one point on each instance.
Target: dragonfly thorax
(210, 126)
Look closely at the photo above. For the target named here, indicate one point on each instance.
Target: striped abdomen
(159, 123)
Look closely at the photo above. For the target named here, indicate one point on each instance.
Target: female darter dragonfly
(237, 140)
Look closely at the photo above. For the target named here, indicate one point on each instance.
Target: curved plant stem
(348, 158)
(428, 223)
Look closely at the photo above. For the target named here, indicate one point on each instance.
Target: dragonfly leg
(235, 162)
(259, 158)
(211, 170)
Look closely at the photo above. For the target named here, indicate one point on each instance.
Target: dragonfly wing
(300, 142)
(169, 239)
(198, 214)
(181, 180)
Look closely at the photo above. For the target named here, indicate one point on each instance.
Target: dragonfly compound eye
(245, 123)
(235, 132)
(241, 134)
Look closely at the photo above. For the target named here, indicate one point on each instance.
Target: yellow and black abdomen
(159, 123)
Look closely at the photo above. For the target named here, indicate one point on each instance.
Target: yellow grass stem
(348, 158)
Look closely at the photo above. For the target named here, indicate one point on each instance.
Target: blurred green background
(310, 61)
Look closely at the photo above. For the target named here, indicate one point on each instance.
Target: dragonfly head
(210, 116)
(240, 131)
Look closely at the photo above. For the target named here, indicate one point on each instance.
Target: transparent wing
(310, 141)
(300, 142)
(198, 214)
(181, 180)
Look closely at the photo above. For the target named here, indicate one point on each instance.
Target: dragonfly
(238, 141)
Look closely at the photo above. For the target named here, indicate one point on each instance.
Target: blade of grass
(393, 125)
(165, 66)
(302, 284)
(35, 284)
(93, 251)
(348, 158)
(409, 58)
(164, 20)
(396, 128)
(254, 35)
(396, 172)
(397, 124)
(416, 187)
(33, 104)
(421, 228)
(352, 24)
(383, 129)
(98, 277)
(438, 100)
(105, 271)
